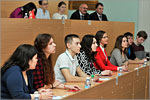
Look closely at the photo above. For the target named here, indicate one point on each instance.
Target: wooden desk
(131, 85)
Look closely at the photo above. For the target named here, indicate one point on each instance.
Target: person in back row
(81, 14)
(24, 11)
(86, 56)
(44, 76)
(17, 77)
(137, 46)
(118, 54)
(130, 54)
(98, 14)
(42, 12)
(61, 11)
(67, 65)
(102, 62)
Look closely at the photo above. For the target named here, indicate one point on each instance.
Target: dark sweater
(13, 85)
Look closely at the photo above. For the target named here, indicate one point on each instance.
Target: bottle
(120, 71)
(145, 63)
(36, 95)
(87, 83)
(26, 15)
(63, 19)
(92, 80)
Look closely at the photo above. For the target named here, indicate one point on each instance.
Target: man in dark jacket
(98, 14)
(81, 14)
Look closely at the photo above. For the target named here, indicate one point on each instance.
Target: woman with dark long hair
(44, 72)
(17, 77)
(24, 11)
(86, 56)
(118, 54)
(102, 62)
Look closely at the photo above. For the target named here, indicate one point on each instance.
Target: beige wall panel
(15, 32)
(140, 83)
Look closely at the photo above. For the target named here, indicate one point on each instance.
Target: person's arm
(38, 14)
(117, 57)
(15, 86)
(67, 75)
(136, 61)
(85, 65)
(100, 63)
(81, 73)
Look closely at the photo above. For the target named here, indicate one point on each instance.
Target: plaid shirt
(38, 74)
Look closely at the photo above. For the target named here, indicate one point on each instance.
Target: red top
(101, 62)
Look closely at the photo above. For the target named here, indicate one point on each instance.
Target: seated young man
(67, 66)
(137, 46)
(130, 54)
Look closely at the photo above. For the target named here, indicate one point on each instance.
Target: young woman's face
(50, 48)
(33, 62)
(62, 8)
(104, 39)
(44, 4)
(94, 45)
(124, 42)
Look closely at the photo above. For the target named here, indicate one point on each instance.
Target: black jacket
(76, 15)
(94, 16)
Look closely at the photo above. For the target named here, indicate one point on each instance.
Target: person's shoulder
(116, 50)
(13, 69)
(39, 9)
(62, 56)
(93, 13)
(103, 14)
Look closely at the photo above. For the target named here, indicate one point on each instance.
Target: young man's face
(74, 46)
(99, 9)
(140, 40)
(130, 40)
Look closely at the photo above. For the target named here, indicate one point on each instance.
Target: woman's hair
(99, 36)
(41, 43)
(20, 57)
(86, 44)
(118, 44)
(29, 7)
(61, 3)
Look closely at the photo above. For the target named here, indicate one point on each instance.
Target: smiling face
(50, 48)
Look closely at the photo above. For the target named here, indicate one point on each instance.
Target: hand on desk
(72, 87)
(106, 72)
(46, 93)
(125, 68)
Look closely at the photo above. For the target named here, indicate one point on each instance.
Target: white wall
(144, 21)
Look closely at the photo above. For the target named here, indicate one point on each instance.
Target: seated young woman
(17, 77)
(86, 56)
(102, 62)
(118, 54)
(44, 76)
